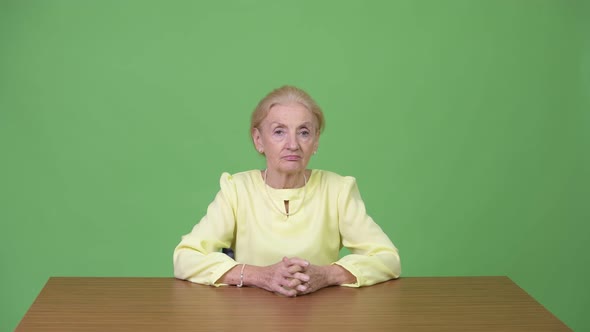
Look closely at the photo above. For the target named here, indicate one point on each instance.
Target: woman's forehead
(289, 113)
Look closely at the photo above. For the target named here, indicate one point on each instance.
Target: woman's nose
(292, 142)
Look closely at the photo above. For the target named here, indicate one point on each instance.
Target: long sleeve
(197, 257)
(373, 257)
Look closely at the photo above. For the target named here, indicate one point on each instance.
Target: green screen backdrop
(466, 124)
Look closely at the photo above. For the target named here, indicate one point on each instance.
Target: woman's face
(288, 137)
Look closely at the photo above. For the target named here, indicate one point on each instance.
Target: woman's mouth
(292, 157)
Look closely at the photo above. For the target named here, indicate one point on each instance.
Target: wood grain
(167, 304)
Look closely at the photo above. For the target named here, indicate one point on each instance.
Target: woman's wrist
(252, 275)
(337, 275)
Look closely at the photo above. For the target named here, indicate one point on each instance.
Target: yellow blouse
(326, 214)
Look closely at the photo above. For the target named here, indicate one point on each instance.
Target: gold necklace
(286, 214)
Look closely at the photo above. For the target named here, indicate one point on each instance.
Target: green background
(466, 124)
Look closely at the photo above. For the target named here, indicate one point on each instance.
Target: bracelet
(242, 276)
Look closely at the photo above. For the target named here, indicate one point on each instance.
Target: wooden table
(167, 304)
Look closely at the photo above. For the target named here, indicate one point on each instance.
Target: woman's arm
(373, 257)
(197, 257)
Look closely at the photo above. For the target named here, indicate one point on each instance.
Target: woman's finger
(285, 290)
(297, 261)
(303, 288)
(302, 277)
(294, 269)
(293, 283)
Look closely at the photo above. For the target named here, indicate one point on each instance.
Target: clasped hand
(295, 276)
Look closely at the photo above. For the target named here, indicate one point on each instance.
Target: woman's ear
(257, 139)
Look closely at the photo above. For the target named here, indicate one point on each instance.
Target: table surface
(168, 304)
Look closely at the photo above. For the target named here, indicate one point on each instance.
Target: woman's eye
(304, 133)
(279, 132)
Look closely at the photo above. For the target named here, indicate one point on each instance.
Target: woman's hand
(284, 277)
(291, 276)
(318, 276)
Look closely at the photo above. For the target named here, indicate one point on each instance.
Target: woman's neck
(285, 181)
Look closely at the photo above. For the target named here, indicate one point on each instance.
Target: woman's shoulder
(332, 177)
(241, 177)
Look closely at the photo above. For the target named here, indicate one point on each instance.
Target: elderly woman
(286, 223)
